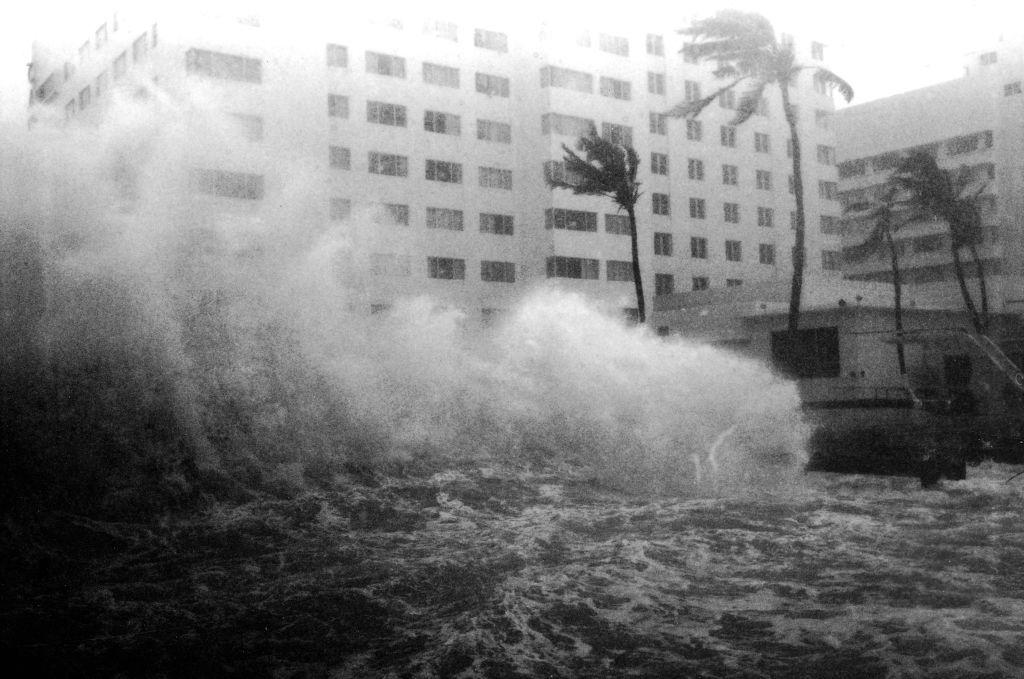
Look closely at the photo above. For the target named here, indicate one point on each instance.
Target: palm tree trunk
(637, 281)
(799, 255)
(982, 288)
(897, 297)
(958, 268)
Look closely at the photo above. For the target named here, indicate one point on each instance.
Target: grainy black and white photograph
(510, 341)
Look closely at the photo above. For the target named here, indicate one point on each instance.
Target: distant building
(431, 136)
(975, 122)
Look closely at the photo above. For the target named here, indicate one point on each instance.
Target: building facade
(427, 141)
(973, 123)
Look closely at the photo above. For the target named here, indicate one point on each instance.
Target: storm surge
(146, 326)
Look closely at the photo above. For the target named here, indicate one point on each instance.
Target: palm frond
(750, 101)
(735, 24)
(832, 80)
(600, 168)
(691, 109)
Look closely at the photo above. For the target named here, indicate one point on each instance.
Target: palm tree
(606, 169)
(747, 53)
(931, 192)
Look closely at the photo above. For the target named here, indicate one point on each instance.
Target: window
(664, 284)
(830, 224)
(762, 143)
(733, 282)
(436, 74)
(823, 119)
(828, 190)
(337, 106)
(490, 40)
(808, 353)
(659, 163)
(441, 123)
(101, 36)
(445, 30)
(964, 144)
(385, 64)
(695, 169)
(988, 58)
(854, 168)
(385, 114)
(728, 135)
(228, 184)
(655, 45)
(727, 99)
(765, 217)
(492, 130)
(446, 268)
(572, 267)
(496, 224)
(698, 247)
(663, 244)
(694, 130)
(120, 65)
(69, 70)
(444, 218)
(340, 158)
(616, 89)
(570, 126)
(498, 272)
(223, 66)
(340, 209)
(733, 251)
(553, 76)
(571, 220)
(389, 265)
(766, 253)
(495, 178)
(698, 208)
(395, 213)
(764, 180)
(617, 134)
(1010, 89)
(83, 51)
(792, 219)
(817, 51)
(830, 260)
(444, 171)
(337, 56)
(388, 164)
(826, 155)
(691, 89)
(554, 170)
(700, 282)
(730, 175)
(84, 98)
(659, 123)
(655, 83)
(616, 270)
(613, 44)
(792, 184)
(491, 85)
(731, 213)
(820, 84)
(101, 84)
(616, 224)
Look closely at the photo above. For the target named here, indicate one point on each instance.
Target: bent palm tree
(932, 192)
(606, 169)
(747, 52)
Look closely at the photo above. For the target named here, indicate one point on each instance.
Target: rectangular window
(84, 98)
(497, 272)
(570, 126)
(497, 224)
(223, 66)
(337, 56)
(765, 217)
(613, 44)
(385, 64)
(828, 190)
(101, 36)
(663, 244)
(83, 51)
(394, 213)
(694, 130)
(340, 209)
(700, 282)
(572, 267)
(101, 84)
(698, 247)
(492, 85)
(442, 123)
(809, 353)
(820, 84)
(554, 170)
(388, 265)
(830, 224)
(571, 220)
(658, 123)
(826, 155)
(792, 219)
(989, 58)
(766, 253)
(764, 180)
(389, 164)
(731, 213)
(733, 251)
(616, 224)
(446, 268)
(340, 158)
(792, 184)
(655, 83)
(492, 130)
(120, 65)
(249, 126)
(444, 171)
(830, 260)
(698, 208)
(727, 99)
(730, 175)
(565, 78)
(444, 218)
(728, 136)
(823, 119)
(436, 74)
(964, 144)
(664, 284)
(616, 89)
(1011, 89)
(495, 178)
(733, 282)
(655, 45)
(228, 184)
(660, 204)
(691, 89)
(617, 134)
(695, 169)
(337, 106)
(490, 40)
(817, 51)
(659, 163)
(762, 143)
(445, 30)
(616, 270)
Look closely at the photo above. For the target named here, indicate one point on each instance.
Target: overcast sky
(881, 46)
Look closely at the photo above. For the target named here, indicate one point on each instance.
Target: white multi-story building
(974, 122)
(428, 138)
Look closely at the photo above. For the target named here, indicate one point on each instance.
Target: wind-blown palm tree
(606, 169)
(748, 54)
(932, 192)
